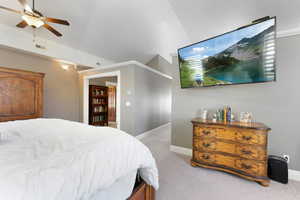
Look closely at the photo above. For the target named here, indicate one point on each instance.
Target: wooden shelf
(98, 118)
(99, 113)
(100, 122)
(99, 96)
(104, 123)
(99, 104)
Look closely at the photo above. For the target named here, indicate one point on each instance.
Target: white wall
(21, 40)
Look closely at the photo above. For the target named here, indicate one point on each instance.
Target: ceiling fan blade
(25, 5)
(22, 24)
(50, 28)
(11, 10)
(57, 21)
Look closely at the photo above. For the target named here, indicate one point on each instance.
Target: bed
(54, 159)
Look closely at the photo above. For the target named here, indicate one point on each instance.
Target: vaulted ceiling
(115, 29)
(202, 19)
(139, 29)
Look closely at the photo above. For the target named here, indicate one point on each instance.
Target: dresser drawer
(205, 157)
(244, 136)
(250, 137)
(251, 152)
(250, 167)
(208, 132)
(244, 151)
(234, 147)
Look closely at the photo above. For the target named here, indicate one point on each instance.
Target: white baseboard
(181, 150)
(293, 174)
(152, 131)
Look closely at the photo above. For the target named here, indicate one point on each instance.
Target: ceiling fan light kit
(35, 19)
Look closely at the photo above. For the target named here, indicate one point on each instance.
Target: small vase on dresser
(234, 147)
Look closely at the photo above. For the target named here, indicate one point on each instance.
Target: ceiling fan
(35, 19)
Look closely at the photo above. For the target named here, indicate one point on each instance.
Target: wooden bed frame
(142, 191)
(21, 97)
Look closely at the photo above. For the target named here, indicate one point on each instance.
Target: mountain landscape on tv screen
(243, 62)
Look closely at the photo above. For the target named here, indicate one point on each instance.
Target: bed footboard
(143, 191)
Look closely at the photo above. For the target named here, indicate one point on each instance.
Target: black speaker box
(278, 169)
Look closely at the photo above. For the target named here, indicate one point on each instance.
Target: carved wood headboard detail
(21, 94)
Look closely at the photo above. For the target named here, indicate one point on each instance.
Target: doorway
(102, 99)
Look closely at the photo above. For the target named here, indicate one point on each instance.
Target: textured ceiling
(139, 29)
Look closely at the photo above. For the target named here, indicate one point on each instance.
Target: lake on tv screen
(243, 56)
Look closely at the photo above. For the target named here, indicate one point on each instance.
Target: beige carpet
(180, 181)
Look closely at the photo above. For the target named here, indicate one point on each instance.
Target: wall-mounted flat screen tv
(245, 55)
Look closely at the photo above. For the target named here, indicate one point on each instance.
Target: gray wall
(161, 64)
(276, 104)
(61, 95)
(152, 100)
(148, 93)
(63, 91)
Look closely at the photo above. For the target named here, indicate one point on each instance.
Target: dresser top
(252, 125)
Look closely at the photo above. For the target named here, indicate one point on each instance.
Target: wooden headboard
(21, 94)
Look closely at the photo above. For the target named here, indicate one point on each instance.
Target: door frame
(107, 84)
(86, 95)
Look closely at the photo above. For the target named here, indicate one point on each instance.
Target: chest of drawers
(235, 147)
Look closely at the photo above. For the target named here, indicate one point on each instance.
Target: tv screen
(246, 55)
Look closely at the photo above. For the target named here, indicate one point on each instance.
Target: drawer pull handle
(246, 166)
(206, 145)
(206, 132)
(246, 152)
(206, 157)
(247, 138)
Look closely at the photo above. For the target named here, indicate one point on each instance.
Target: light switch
(128, 104)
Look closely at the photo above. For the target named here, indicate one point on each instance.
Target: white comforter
(51, 159)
